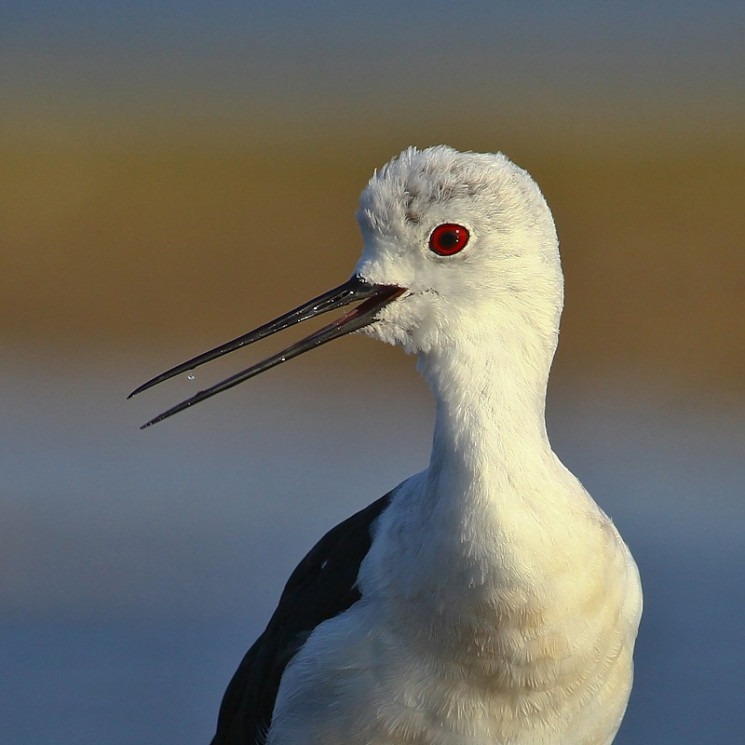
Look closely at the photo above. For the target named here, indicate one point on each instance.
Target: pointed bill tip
(155, 420)
(175, 409)
(185, 367)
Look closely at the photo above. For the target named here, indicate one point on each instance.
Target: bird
(487, 598)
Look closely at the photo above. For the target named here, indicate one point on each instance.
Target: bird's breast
(464, 642)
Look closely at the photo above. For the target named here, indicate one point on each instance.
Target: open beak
(375, 297)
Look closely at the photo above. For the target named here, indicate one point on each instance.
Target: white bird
(487, 599)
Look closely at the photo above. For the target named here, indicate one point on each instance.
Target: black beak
(374, 297)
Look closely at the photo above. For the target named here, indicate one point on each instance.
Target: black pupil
(449, 239)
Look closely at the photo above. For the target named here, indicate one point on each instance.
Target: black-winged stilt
(487, 599)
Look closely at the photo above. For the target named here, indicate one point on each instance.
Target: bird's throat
(490, 417)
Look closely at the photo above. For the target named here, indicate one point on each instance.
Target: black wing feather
(322, 586)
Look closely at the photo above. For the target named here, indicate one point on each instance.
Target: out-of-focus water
(137, 567)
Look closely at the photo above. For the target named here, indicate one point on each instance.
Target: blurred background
(173, 174)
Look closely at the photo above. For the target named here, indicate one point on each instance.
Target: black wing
(322, 586)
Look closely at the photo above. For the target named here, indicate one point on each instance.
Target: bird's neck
(495, 502)
(490, 430)
(479, 526)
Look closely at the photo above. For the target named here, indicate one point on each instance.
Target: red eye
(448, 239)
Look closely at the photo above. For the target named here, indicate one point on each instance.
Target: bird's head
(470, 238)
